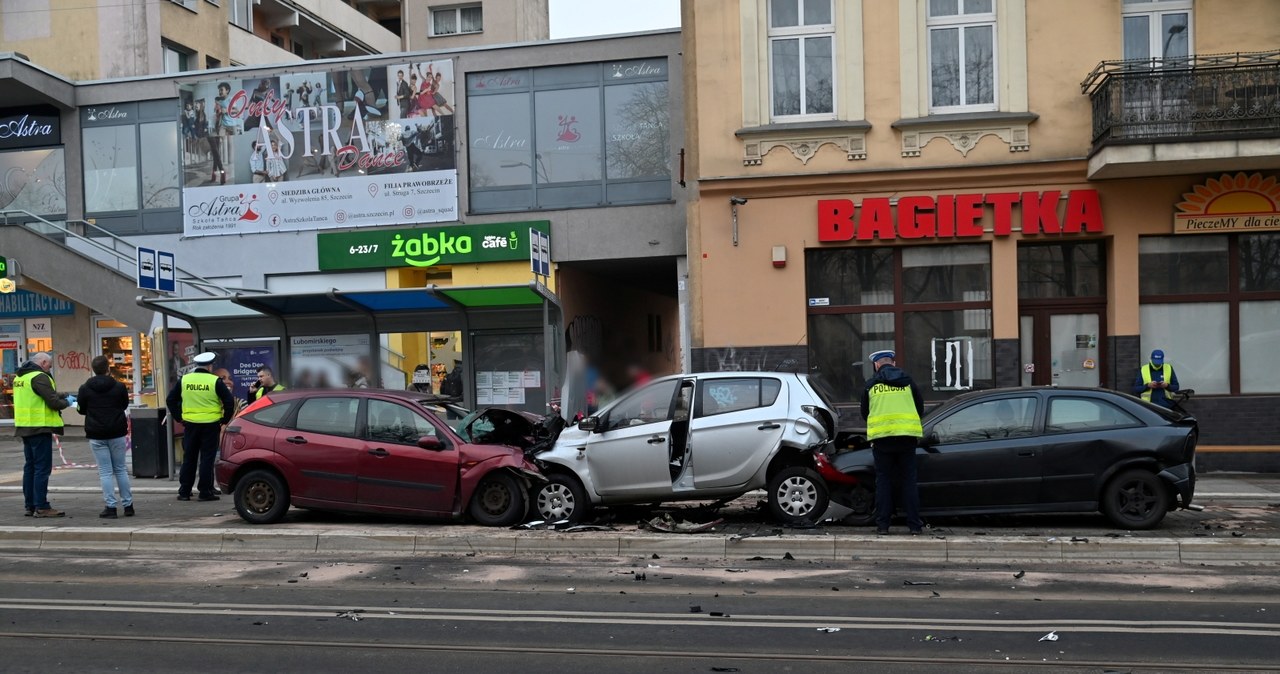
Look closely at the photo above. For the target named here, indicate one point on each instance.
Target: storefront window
(1073, 269)
(160, 183)
(637, 130)
(568, 135)
(35, 181)
(503, 154)
(1182, 265)
(1202, 357)
(110, 169)
(854, 310)
(1188, 304)
(946, 274)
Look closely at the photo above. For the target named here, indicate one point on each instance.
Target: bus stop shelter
(511, 334)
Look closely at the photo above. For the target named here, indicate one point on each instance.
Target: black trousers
(200, 446)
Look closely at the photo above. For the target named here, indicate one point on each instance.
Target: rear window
(331, 416)
(721, 396)
(271, 415)
(1086, 414)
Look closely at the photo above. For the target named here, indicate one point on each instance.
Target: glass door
(10, 358)
(1061, 348)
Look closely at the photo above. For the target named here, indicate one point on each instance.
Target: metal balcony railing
(1212, 97)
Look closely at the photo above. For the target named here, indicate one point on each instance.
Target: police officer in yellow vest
(1155, 380)
(202, 403)
(892, 405)
(37, 416)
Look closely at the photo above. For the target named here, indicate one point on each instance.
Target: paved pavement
(1240, 525)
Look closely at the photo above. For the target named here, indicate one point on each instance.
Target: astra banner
(319, 150)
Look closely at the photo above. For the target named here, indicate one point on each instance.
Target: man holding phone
(266, 384)
(1156, 380)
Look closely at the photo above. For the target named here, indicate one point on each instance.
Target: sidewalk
(1239, 526)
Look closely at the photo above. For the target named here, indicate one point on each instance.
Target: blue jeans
(199, 449)
(896, 472)
(37, 450)
(110, 456)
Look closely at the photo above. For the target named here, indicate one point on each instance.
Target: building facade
(133, 38)
(376, 173)
(1005, 192)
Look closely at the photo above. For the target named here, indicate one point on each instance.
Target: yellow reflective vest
(263, 391)
(29, 409)
(1166, 373)
(200, 403)
(893, 413)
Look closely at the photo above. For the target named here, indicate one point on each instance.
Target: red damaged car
(370, 451)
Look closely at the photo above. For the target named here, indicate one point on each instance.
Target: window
(389, 422)
(1157, 29)
(990, 420)
(648, 405)
(1228, 287)
(39, 181)
(1060, 270)
(176, 59)
(802, 59)
(569, 136)
(241, 14)
(721, 396)
(110, 169)
(1084, 414)
(272, 415)
(915, 300)
(211, 63)
(962, 55)
(457, 20)
(331, 416)
(158, 142)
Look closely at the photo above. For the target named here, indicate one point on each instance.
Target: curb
(960, 549)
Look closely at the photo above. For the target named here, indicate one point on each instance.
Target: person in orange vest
(1156, 380)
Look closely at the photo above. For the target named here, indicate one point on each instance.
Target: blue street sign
(539, 252)
(166, 278)
(146, 269)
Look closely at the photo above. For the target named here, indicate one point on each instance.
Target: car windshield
(449, 411)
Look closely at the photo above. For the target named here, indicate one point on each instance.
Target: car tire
(1135, 499)
(798, 495)
(498, 501)
(561, 498)
(862, 500)
(262, 497)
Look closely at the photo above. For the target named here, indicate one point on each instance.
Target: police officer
(1155, 380)
(37, 416)
(266, 384)
(892, 405)
(202, 403)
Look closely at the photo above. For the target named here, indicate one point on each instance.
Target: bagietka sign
(947, 216)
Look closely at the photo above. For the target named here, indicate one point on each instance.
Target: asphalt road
(178, 613)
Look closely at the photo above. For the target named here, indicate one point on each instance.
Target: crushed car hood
(498, 426)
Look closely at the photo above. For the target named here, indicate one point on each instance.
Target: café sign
(426, 246)
(1239, 203)
(948, 216)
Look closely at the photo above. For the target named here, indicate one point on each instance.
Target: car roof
(414, 396)
(1013, 390)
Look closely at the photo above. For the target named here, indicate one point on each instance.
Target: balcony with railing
(1185, 115)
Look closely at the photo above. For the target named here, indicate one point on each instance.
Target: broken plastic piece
(1019, 574)
(828, 629)
(1052, 636)
(918, 582)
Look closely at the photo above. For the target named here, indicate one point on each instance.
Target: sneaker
(182, 497)
(28, 512)
(48, 512)
(208, 497)
(108, 513)
(128, 511)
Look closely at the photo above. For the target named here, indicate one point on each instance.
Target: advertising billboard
(305, 151)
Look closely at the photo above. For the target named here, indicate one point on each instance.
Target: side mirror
(430, 442)
(929, 440)
(589, 424)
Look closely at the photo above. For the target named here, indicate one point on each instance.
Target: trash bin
(150, 443)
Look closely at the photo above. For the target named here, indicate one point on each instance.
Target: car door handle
(297, 440)
(768, 427)
(379, 452)
(657, 440)
(1027, 452)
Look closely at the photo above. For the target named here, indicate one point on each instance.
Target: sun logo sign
(1238, 203)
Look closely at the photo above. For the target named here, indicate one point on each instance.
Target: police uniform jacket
(174, 401)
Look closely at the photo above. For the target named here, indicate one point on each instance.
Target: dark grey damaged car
(1040, 450)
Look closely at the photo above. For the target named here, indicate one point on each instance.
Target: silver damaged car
(714, 435)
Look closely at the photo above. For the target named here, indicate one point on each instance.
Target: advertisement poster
(242, 363)
(330, 361)
(305, 151)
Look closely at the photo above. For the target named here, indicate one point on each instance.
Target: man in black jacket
(892, 405)
(37, 407)
(102, 400)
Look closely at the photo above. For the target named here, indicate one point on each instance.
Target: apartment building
(1007, 192)
(129, 38)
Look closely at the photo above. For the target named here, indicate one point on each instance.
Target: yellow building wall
(63, 38)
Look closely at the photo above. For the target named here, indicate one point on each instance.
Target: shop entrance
(1062, 347)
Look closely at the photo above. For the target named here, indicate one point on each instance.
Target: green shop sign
(426, 246)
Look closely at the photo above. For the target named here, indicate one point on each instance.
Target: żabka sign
(958, 216)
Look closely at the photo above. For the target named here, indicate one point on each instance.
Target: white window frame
(248, 20)
(960, 22)
(1155, 10)
(800, 33)
(167, 48)
(457, 17)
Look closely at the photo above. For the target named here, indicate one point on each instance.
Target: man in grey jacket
(37, 416)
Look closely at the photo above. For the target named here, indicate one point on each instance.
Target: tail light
(830, 473)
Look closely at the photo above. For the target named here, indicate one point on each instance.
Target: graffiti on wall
(73, 360)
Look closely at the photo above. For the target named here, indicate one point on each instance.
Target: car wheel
(498, 501)
(561, 498)
(797, 495)
(262, 497)
(1135, 499)
(862, 501)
